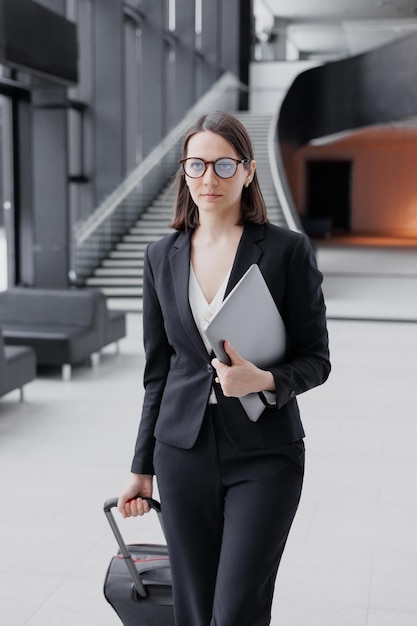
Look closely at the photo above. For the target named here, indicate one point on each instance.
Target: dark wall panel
(50, 201)
(153, 76)
(107, 99)
(37, 40)
(229, 28)
(185, 84)
(210, 45)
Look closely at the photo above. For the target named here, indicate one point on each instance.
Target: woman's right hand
(128, 504)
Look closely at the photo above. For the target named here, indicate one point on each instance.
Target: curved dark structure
(375, 87)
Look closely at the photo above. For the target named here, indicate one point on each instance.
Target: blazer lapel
(247, 254)
(179, 260)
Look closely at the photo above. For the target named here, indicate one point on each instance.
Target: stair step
(127, 254)
(138, 239)
(118, 272)
(121, 281)
(153, 218)
(122, 263)
(160, 207)
(149, 230)
(130, 247)
(120, 292)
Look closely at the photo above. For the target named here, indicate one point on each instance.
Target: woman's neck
(214, 231)
(213, 251)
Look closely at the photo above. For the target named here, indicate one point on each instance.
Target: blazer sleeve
(307, 364)
(158, 356)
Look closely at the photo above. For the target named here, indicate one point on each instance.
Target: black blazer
(178, 374)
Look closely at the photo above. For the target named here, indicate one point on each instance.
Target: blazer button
(292, 394)
(209, 369)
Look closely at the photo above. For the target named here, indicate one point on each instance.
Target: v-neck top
(203, 311)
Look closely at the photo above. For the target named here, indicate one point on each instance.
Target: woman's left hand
(241, 376)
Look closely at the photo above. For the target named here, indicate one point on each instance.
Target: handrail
(227, 82)
(279, 177)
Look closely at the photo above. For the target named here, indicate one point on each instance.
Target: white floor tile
(325, 574)
(391, 618)
(394, 581)
(302, 613)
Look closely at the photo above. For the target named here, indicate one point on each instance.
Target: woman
(229, 487)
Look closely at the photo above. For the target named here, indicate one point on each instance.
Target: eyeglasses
(224, 168)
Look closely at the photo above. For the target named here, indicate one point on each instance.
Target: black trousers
(227, 515)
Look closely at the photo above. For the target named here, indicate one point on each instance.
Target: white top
(203, 311)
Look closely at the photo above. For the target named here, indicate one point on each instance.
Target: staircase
(257, 125)
(120, 275)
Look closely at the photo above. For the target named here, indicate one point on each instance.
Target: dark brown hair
(253, 207)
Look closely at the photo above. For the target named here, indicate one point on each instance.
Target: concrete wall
(270, 81)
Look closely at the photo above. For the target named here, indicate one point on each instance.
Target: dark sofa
(64, 327)
(115, 328)
(17, 367)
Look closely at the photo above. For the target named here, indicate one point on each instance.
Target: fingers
(235, 357)
(133, 508)
(222, 368)
(238, 378)
(217, 364)
(129, 504)
(138, 506)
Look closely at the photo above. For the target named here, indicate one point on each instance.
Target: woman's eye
(197, 166)
(225, 168)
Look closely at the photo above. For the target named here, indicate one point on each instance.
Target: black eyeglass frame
(213, 163)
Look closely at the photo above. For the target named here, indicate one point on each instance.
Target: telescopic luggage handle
(110, 504)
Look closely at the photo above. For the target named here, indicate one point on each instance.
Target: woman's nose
(210, 175)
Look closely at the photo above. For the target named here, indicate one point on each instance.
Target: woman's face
(211, 193)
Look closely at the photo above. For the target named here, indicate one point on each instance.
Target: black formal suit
(229, 487)
(178, 374)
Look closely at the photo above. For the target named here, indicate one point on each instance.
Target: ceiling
(330, 29)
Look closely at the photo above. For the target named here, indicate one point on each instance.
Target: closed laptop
(249, 319)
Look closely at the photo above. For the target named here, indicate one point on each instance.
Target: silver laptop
(249, 319)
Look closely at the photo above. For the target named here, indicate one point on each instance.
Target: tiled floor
(351, 559)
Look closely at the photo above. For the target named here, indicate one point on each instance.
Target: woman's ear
(251, 170)
(250, 173)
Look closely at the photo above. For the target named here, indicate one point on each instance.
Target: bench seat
(64, 327)
(17, 367)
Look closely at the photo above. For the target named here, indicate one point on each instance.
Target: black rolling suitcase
(138, 580)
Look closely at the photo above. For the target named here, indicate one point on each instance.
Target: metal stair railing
(279, 177)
